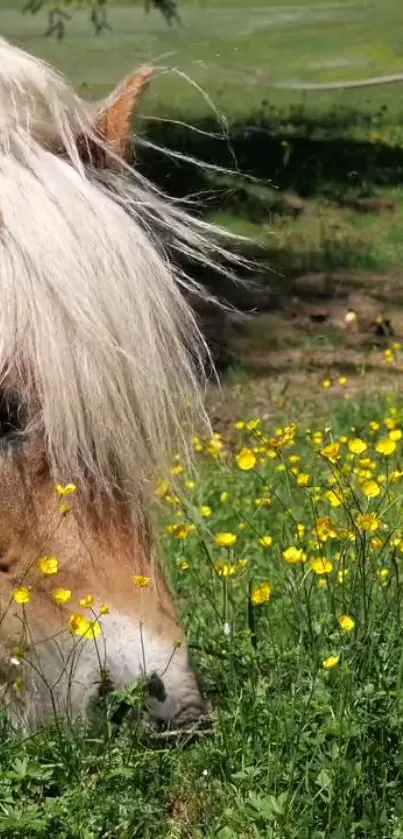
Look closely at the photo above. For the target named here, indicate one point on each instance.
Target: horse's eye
(11, 415)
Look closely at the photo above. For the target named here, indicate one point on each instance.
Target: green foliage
(59, 13)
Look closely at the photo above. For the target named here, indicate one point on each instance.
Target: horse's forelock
(88, 301)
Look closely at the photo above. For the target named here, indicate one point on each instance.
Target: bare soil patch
(285, 355)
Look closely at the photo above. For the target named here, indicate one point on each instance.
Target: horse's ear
(113, 118)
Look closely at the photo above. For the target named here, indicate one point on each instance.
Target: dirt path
(304, 355)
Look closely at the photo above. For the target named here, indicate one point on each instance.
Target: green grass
(325, 237)
(228, 49)
(296, 750)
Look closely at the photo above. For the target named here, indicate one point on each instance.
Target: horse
(101, 381)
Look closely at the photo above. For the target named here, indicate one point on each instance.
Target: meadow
(284, 541)
(284, 545)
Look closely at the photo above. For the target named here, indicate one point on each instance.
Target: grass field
(231, 51)
(285, 545)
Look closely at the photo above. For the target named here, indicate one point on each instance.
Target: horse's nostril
(156, 688)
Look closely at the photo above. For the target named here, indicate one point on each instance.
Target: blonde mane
(94, 328)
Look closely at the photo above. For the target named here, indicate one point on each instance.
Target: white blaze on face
(126, 652)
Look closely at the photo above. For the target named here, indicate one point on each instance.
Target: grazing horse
(101, 366)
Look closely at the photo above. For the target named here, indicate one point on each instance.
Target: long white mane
(93, 324)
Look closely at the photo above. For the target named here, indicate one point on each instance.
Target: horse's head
(97, 362)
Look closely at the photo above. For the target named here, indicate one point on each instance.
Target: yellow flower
(266, 541)
(22, 594)
(342, 380)
(177, 470)
(79, 625)
(294, 555)
(182, 564)
(49, 565)
(252, 425)
(330, 662)
(174, 500)
(224, 497)
(162, 489)
(331, 452)
(368, 522)
(205, 512)
(346, 623)
(386, 446)
(335, 499)
(87, 601)
(303, 479)
(264, 501)
(61, 595)
(182, 530)
(239, 425)
(301, 530)
(396, 434)
(68, 489)
(197, 444)
(226, 539)
(374, 426)
(367, 463)
(190, 484)
(321, 565)
(64, 509)
(104, 609)
(357, 446)
(376, 137)
(215, 445)
(383, 575)
(141, 581)
(225, 569)
(371, 489)
(326, 383)
(325, 529)
(261, 594)
(246, 459)
(363, 475)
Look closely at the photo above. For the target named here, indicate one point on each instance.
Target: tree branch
(58, 16)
